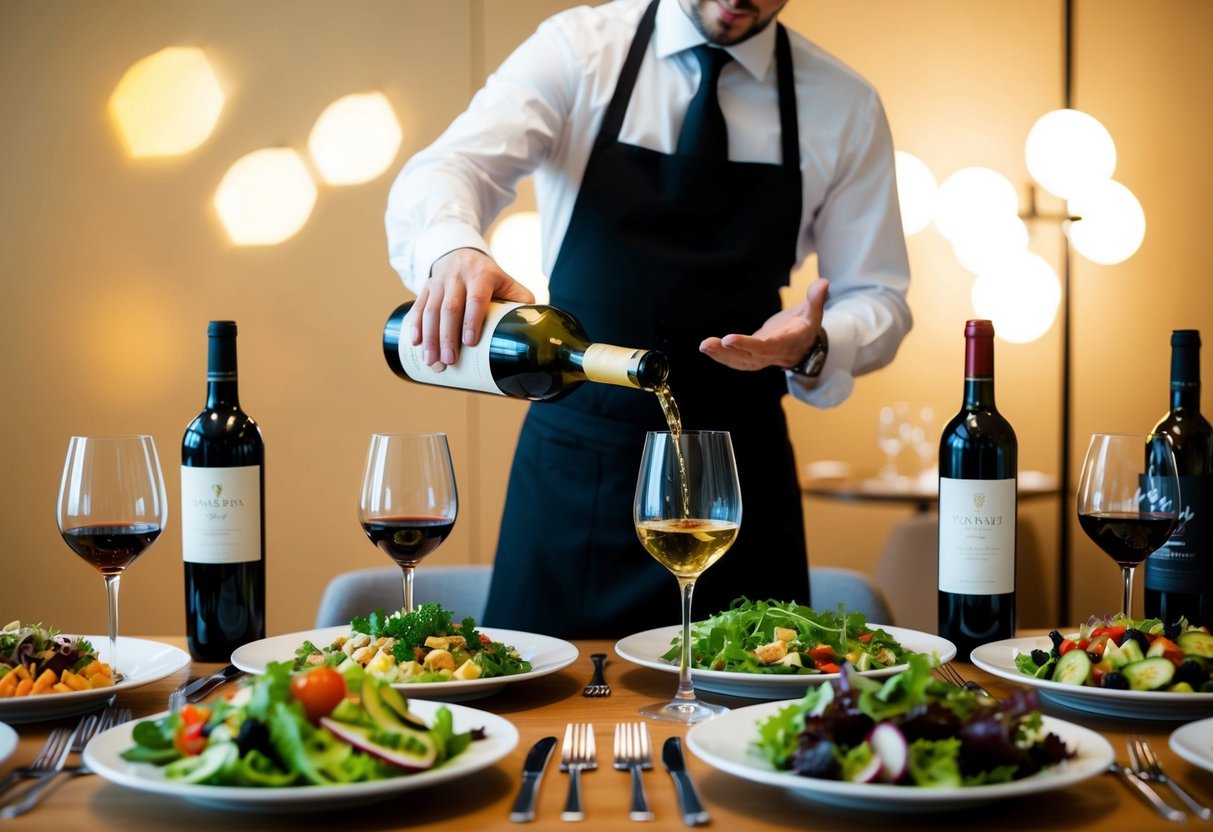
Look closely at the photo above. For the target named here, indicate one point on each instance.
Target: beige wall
(111, 267)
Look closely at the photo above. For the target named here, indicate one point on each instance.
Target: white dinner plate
(546, 655)
(724, 743)
(1194, 742)
(8, 742)
(998, 657)
(647, 648)
(140, 660)
(500, 737)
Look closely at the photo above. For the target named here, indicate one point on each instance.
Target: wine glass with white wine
(687, 514)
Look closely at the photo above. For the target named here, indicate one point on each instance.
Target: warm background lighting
(916, 192)
(167, 103)
(1068, 150)
(1020, 295)
(970, 200)
(265, 197)
(355, 139)
(516, 247)
(1113, 223)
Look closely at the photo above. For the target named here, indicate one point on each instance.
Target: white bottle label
(471, 371)
(976, 536)
(221, 514)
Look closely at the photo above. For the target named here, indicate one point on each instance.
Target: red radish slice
(415, 759)
(890, 747)
(868, 773)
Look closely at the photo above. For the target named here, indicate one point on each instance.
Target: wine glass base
(682, 711)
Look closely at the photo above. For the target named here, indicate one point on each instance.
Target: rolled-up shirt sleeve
(860, 244)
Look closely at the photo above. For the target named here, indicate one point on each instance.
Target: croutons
(439, 660)
(771, 653)
(785, 634)
(468, 670)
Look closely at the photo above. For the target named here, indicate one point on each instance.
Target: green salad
(424, 645)
(787, 638)
(909, 729)
(315, 727)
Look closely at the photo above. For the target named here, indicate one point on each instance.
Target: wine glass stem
(686, 690)
(1128, 598)
(111, 594)
(408, 588)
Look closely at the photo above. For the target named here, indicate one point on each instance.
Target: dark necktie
(704, 132)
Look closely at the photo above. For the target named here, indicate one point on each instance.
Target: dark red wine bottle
(978, 457)
(223, 513)
(1179, 576)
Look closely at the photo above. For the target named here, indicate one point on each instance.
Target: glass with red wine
(408, 503)
(1128, 498)
(112, 507)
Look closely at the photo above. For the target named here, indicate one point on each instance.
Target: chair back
(464, 590)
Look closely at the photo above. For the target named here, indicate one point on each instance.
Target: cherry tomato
(1066, 646)
(865, 637)
(821, 653)
(319, 690)
(828, 667)
(189, 738)
(1116, 633)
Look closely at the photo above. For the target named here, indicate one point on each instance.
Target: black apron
(661, 251)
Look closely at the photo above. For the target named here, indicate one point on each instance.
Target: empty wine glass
(687, 514)
(112, 507)
(924, 437)
(1128, 498)
(408, 502)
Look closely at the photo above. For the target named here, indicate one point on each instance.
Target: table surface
(923, 494)
(542, 707)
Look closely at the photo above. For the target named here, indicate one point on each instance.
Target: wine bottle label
(221, 514)
(611, 365)
(976, 536)
(1179, 566)
(471, 371)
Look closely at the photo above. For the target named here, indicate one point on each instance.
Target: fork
(577, 754)
(1146, 764)
(951, 675)
(49, 759)
(633, 753)
(598, 685)
(86, 729)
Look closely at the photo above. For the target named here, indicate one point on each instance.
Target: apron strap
(608, 133)
(788, 121)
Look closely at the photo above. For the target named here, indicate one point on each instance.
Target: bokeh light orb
(917, 192)
(1069, 150)
(265, 197)
(168, 103)
(1113, 224)
(972, 198)
(1020, 295)
(355, 139)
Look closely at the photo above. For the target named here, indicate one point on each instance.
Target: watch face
(815, 360)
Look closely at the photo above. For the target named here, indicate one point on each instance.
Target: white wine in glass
(112, 507)
(408, 503)
(687, 514)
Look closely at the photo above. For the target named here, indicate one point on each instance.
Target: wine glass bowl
(409, 501)
(111, 508)
(1128, 499)
(687, 514)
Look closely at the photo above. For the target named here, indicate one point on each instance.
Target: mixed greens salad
(421, 646)
(315, 727)
(910, 729)
(1120, 653)
(787, 638)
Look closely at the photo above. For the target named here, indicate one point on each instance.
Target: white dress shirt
(540, 112)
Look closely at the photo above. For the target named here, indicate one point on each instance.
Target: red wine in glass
(1127, 537)
(113, 547)
(407, 540)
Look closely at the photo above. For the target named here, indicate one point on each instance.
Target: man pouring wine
(688, 155)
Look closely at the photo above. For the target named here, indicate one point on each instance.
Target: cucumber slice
(1131, 651)
(1196, 643)
(1074, 668)
(1149, 674)
(202, 767)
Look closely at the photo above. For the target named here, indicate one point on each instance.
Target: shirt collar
(675, 33)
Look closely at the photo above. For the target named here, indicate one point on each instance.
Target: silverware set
(1146, 769)
(633, 753)
(50, 766)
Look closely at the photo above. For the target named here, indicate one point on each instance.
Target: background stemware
(1128, 499)
(687, 514)
(409, 502)
(111, 508)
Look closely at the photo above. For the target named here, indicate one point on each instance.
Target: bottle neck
(979, 371)
(221, 382)
(1185, 378)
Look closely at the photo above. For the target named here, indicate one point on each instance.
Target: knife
(199, 688)
(693, 812)
(532, 772)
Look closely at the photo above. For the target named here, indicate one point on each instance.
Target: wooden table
(543, 707)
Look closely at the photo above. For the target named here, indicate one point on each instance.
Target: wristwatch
(809, 370)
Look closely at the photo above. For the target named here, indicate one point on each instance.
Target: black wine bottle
(223, 513)
(977, 508)
(1179, 575)
(526, 351)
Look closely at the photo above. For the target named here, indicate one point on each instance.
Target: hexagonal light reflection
(265, 197)
(355, 139)
(168, 103)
